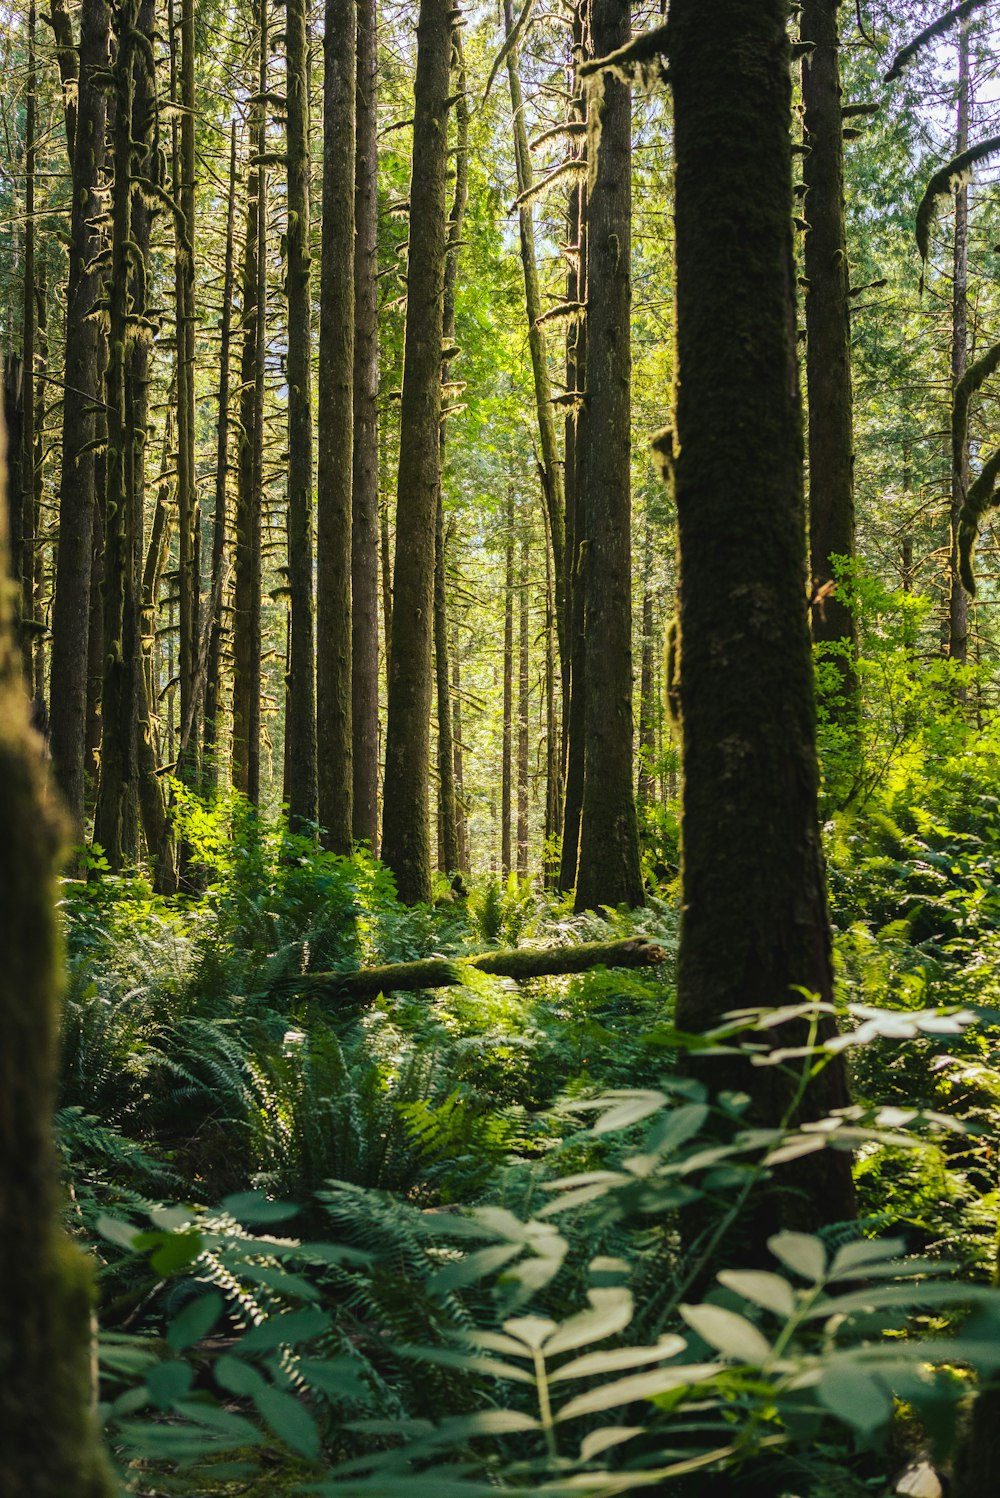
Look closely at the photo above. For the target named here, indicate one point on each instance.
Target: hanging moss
(907, 56)
(982, 495)
(944, 183)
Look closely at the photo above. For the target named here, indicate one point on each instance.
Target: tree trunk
(754, 921)
(553, 488)
(506, 761)
(646, 790)
(337, 430)
(49, 1445)
(365, 513)
(300, 717)
(609, 872)
(461, 817)
(574, 674)
(188, 522)
(958, 603)
(23, 498)
(523, 785)
(247, 569)
(71, 606)
(213, 675)
(553, 766)
(828, 361)
(406, 845)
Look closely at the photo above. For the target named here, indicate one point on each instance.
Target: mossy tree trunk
(49, 1446)
(250, 458)
(77, 492)
(958, 603)
(213, 672)
(188, 518)
(334, 558)
(608, 871)
(523, 701)
(507, 746)
(406, 842)
(828, 360)
(23, 498)
(365, 514)
(300, 712)
(754, 921)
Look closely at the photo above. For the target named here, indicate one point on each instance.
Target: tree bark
(188, 519)
(523, 783)
(300, 714)
(365, 512)
(754, 922)
(646, 788)
(337, 430)
(71, 606)
(828, 360)
(213, 676)
(958, 603)
(608, 872)
(506, 757)
(23, 498)
(49, 1446)
(406, 844)
(520, 963)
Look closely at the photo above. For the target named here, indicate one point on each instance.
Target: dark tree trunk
(23, 498)
(448, 856)
(754, 921)
(553, 766)
(71, 606)
(609, 872)
(337, 430)
(365, 515)
(406, 844)
(188, 522)
(250, 457)
(13, 415)
(213, 674)
(828, 358)
(461, 818)
(49, 1445)
(646, 790)
(300, 716)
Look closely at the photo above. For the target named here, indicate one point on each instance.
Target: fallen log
(519, 963)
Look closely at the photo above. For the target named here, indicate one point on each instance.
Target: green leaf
(605, 1438)
(612, 1311)
(639, 1386)
(803, 1253)
(487, 1423)
(277, 1279)
(447, 1357)
(473, 1267)
(617, 1358)
(855, 1397)
(169, 1381)
(278, 1331)
(122, 1233)
(194, 1321)
(289, 1420)
(174, 1251)
(864, 1253)
(734, 1336)
(251, 1207)
(239, 1377)
(764, 1289)
(337, 1378)
(531, 1330)
(677, 1128)
(631, 1109)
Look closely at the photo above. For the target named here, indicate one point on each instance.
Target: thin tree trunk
(71, 606)
(828, 359)
(385, 552)
(365, 510)
(188, 523)
(300, 716)
(523, 625)
(24, 497)
(506, 761)
(609, 872)
(406, 846)
(958, 603)
(337, 430)
(646, 790)
(754, 922)
(551, 466)
(461, 816)
(574, 675)
(553, 765)
(213, 677)
(247, 569)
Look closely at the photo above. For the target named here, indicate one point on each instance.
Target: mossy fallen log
(519, 963)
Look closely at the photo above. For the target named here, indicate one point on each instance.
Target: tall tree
(406, 843)
(754, 921)
(958, 603)
(364, 509)
(609, 872)
(828, 356)
(300, 710)
(49, 1445)
(77, 492)
(188, 519)
(334, 556)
